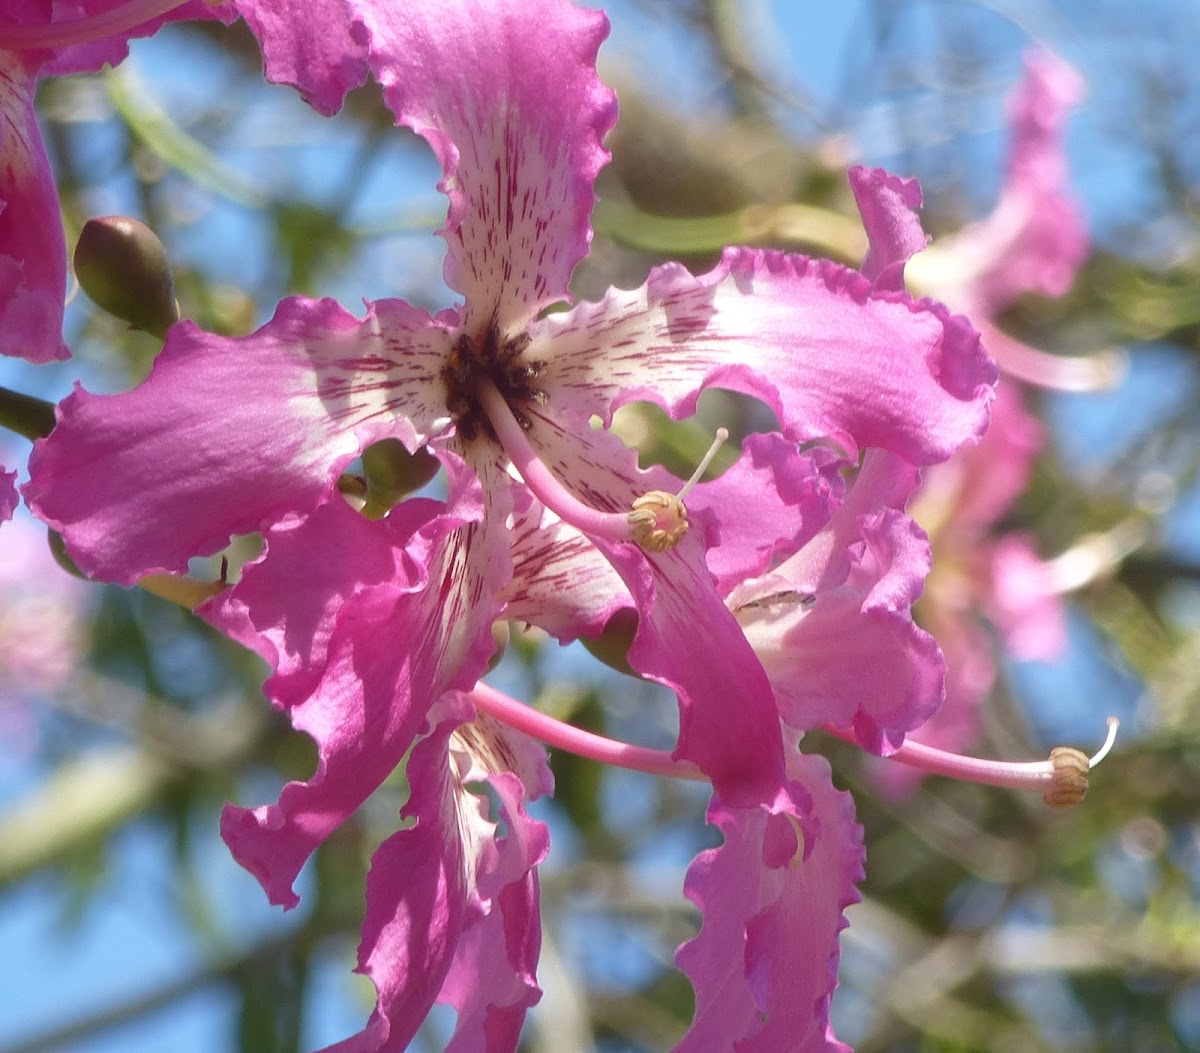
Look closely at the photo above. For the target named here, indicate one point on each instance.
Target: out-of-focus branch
(25, 415)
(723, 20)
(85, 799)
(787, 225)
(221, 970)
(562, 1020)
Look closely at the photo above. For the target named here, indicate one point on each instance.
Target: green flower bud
(393, 473)
(500, 635)
(122, 266)
(58, 549)
(612, 645)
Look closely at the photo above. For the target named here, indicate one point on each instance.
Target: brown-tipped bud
(612, 645)
(393, 473)
(122, 266)
(500, 635)
(58, 549)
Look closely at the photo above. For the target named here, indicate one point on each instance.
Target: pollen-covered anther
(1071, 768)
(658, 521)
(1070, 784)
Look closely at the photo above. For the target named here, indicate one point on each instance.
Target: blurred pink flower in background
(1033, 241)
(41, 631)
(41, 628)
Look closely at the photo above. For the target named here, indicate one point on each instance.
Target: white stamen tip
(705, 461)
(1113, 724)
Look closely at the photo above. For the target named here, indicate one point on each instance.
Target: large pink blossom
(835, 360)
(453, 902)
(374, 628)
(37, 40)
(1033, 241)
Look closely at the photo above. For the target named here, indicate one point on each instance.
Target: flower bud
(612, 645)
(122, 265)
(500, 635)
(58, 549)
(393, 473)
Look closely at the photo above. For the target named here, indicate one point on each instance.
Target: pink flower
(453, 903)
(493, 383)
(8, 494)
(41, 634)
(1032, 242)
(827, 606)
(375, 629)
(78, 37)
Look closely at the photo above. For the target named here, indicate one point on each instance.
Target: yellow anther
(658, 521)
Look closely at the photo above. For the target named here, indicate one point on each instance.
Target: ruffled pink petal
(837, 616)
(33, 255)
(112, 44)
(764, 965)
(561, 582)
(887, 205)
(771, 502)
(492, 981)
(832, 357)
(1025, 602)
(686, 638)
(850, 655)
(453, 904)
(884, 481)
(320, 48)
(419, 893)
(361, 664)
(228, 436)
(33, 252)
(8, 495)
(970, 673)
(508, 97)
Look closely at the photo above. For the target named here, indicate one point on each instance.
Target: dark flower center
(501, 361)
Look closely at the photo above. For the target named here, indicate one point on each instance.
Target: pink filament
(613, 526)
(1025, 775)
(554, 732)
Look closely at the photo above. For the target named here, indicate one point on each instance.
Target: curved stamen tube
(1063, 777)
(554, 732)
(657, 519)
(611, 525)
(83, 30)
